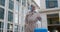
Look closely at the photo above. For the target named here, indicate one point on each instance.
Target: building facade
(50, 14)
(11, 15)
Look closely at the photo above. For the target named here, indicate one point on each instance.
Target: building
(10, 15)
(50, 14)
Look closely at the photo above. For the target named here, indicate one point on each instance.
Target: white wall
(44, 20)
(59, 3)
(42, 4)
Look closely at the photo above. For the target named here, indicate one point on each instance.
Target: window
(1, 26)
(10, 16)
(2, 2)
(16, 7)
(9, 31)
(11, 4)
(29, 7)
(17, 0)
(51, 3)
(53, 18)
(24, 2)
(9, 27)
(16, 28)
(1, 13)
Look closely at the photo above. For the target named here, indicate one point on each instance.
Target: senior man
(31, 18)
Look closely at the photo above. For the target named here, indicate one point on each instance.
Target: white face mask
(38, 24)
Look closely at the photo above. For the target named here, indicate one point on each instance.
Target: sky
(38, 2)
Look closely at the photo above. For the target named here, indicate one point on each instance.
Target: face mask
(39, 24)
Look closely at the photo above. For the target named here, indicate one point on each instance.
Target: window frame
(11, 4)
(54, 2)
(2, 2)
